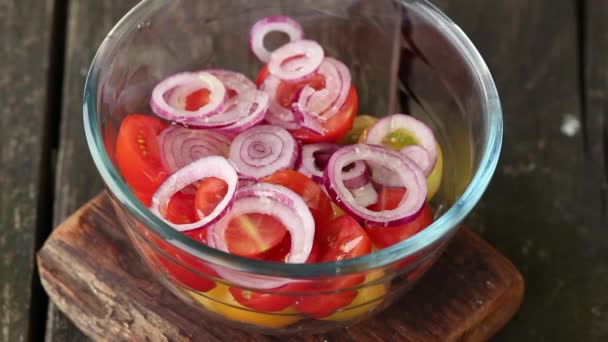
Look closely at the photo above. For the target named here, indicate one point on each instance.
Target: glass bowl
(405, 56)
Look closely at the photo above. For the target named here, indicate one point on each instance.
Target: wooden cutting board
(88, 268)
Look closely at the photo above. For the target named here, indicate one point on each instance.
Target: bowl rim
(442, 227)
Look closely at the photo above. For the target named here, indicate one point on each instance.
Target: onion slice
(323, 104)
(419, 131)
(180, 146)
(296, 60)
(269, 24)
(161, 94)
(246, 108)
(365, 195)
(214, 166)
(314, 161)
(262, 150)
(284, 205)
(407, 172)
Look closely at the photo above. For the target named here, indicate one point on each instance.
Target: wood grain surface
(77, 179)
(26, 50)
(546, 206)
(111, 296)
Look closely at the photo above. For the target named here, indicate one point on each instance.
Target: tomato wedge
(259, 301)
(342, 239)
(180, 209)
(316, 200)
(336, 127)
(383, 237)
(209, 194)
(251, 234)
(138, 157)
(197, 99)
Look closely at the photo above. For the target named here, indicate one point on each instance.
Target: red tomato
(317, 201)
(251, 234)
(261, 301)
(336, 127)
(273, 302)
(342, 239)
(180, 209)
(180, 271)
(383, 237)
(209, 194)
(137, 155)
(280, 251)
(197, 99)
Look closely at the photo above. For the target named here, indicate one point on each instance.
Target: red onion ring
(180, 146)
(410, 175)
(313, 166)
(420, 156)
(262, 150)
(296, 60)
(278, 115)
(365, 195)
(162, 91)
(417, 129)
(325, 103)
(214, 166)
(284, 205)
(269, 24)
(243, 110)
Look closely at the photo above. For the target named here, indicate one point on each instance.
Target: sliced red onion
(214, 166)
(296, 60)
(409, 174)
(365, 195)
(163, 91)
(323, 104)
(420, 156)
(262, 150)
(243, 110)
(417, 129)
(314, 161)
(180, 146)
(284, 205)
(269, 24)
(278, 115)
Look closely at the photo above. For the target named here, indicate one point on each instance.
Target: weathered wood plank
(595, 141)
(25, 53)
(544, 208)
(77, 180)
(111, 295)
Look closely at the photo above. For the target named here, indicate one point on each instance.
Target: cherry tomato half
(342, 239)
(383, 237)
(317, 201)
(336, 127)
(246, 235)
(137, 155)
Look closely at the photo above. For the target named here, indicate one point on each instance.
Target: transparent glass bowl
(405, 56)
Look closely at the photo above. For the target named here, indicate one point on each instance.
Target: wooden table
(547, 208)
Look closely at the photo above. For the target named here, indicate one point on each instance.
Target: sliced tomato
(259, 301)
(180, 209)
(138, 157)
(251, 234)
(280, 251)
(180, 267)
(383, 237)
(209, 194)
(197, 99)
(316, 200)
(342, 239)
(336, 127)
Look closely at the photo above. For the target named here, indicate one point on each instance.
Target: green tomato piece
(362, 122)
(398, 139)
